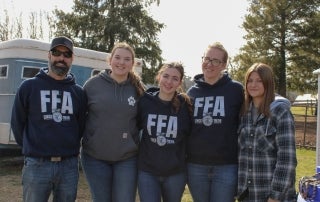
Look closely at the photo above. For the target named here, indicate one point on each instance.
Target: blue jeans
(111, 181)
(212, 183)
(152, 188)
(40, 177)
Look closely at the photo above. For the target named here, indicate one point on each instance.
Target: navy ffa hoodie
(214, 140)
(48, 116)
(164, 133)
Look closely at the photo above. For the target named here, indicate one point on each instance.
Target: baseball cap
(62, 41)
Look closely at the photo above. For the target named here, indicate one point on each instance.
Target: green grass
(303, 110)
(306, 164)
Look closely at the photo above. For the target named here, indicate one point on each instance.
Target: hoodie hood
(105, 74)
(153, 93)
(43, 74)
(199, 80)
(117, 88)
(279, 100)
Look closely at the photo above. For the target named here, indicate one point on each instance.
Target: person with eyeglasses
(212, 145)
(48, 118)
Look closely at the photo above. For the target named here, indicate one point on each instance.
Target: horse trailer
(21, 59)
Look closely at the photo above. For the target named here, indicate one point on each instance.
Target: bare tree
(4, 26)
(35, 26)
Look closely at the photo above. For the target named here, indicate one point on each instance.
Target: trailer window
(4, 71)
(29, 72)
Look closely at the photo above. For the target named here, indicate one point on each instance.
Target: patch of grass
(303, 110)
(186, 195)
(306, 164)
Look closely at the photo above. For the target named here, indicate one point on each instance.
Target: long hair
(266, 74)
(175, 100)
(135, 80)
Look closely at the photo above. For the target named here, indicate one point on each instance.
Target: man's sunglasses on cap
(57, 53)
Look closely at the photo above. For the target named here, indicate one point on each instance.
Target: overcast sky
(190, 25)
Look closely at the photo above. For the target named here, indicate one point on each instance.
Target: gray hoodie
(111, 130)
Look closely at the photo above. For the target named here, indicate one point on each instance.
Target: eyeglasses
(57, 53)
(214, 62)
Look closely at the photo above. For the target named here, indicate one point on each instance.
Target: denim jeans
(212, 183)
(40, 177)
(152, 188)
(111, 181)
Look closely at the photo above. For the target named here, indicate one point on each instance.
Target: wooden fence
(305, 115)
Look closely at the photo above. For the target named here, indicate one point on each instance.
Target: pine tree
(276, 35)
(98, 25)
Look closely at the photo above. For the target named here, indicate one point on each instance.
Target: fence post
(317, 72)
(305, 125)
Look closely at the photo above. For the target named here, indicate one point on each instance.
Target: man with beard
(47, 121)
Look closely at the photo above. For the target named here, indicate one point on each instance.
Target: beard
(59, 70)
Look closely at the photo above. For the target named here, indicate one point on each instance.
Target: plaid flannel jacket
(267, 156)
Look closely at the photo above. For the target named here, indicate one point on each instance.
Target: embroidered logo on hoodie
(131, 101)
